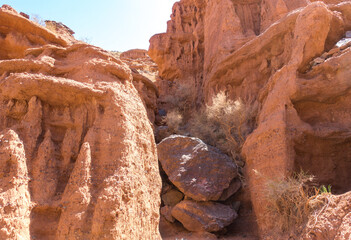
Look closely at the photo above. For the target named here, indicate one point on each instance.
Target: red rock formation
(144, 72)
(15, 199)
(266, 52)
(60, 29)
(333, 221)
(19, 34)
(80, 132)
(134, 54)
(193, 47)
(203, 216)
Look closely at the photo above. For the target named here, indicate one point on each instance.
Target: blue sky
(111, 24)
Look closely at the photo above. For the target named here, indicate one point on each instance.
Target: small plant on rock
(324, 190)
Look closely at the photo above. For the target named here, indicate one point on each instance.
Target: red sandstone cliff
(78, 158)
(282, 56)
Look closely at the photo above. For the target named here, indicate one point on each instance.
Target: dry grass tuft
(51, 27)
(174, 119)
(181, 99)
(179, 103)
(292, 201)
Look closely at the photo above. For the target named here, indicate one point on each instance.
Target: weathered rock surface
(139, 60)
(200, 171)
(72, 121)
(19, 34)
(203, 216)
(281, 55)
(171, 231)
(285, 134)
(333, 221)
(234, 187)
(134, 54)
(15, 199)
(193, 47)
(166, 212)
(144, 72)
(60, 29)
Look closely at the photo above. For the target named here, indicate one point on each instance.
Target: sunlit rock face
(283, 56)
(78, 153)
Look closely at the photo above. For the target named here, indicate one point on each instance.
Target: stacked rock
(205, 176)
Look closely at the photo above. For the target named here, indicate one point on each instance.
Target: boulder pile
(204, 176)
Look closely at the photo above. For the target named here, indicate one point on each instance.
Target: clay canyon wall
(78, 157)
(283, 56)
(79, 125)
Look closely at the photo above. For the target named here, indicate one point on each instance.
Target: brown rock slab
(172, 197)
(333, 51)
(166, 211)
(203, 216)
(200, 171)
(234, 186)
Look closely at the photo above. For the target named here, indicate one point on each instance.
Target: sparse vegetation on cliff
(37, 19)
(181, 98)
(224, 123)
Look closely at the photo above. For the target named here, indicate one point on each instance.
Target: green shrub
(324, 190)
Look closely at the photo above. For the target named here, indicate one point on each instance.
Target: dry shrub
(225, 124)
(289, 202)
(51, 27)
(181, 99)
(174, 120)
(85, 39)
(179, 103)
(234, 118)
(209, 131)
(37, 19)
